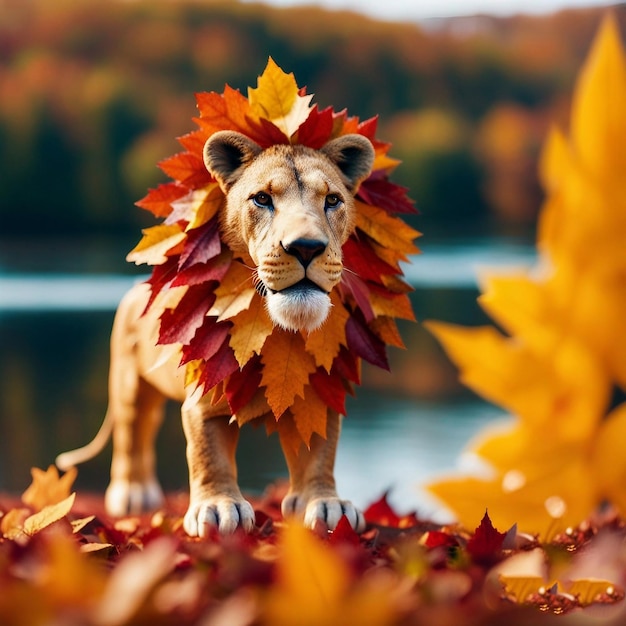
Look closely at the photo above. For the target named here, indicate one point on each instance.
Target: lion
(288, 211)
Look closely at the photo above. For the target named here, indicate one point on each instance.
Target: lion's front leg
(215, 500)
(312, 493)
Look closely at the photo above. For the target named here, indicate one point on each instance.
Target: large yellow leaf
(608, 459)
(287, 367)
(156, 243)
(566, 388)
(598, 111)
(251, 328)
(316, 588)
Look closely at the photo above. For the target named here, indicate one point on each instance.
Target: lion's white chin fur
(298, 310)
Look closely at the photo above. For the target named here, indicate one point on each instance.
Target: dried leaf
(48, 515)
(251, 327)
(287, 366)
(157, 244)
(48, 487)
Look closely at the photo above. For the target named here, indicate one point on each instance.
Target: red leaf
(344, 534)
(367, 128)
(380, 192)
(179, 325)
(158, 201)
(194, 141)
(485, 546)
(363, 342)
(200, 273)
(201, 245)
(381, 513)
(316, 130)
(439, 539)
(269, 134)
(161, 276)
(243, 384)
(222, 364)
(347, 366)
(188, 169)
(330, 388)
(360, 292)
(207, 341)
(361, 259)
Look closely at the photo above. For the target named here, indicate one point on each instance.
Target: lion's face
(289, 210)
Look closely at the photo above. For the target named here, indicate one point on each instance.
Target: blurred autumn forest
(92, 96)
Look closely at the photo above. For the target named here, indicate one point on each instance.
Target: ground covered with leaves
(63, 561)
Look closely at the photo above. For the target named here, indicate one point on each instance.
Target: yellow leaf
(391, 232)
(608, 461)
(48, 515)
(325, 342)
(287, 366)
(276, 98)
(520, 588)
(316, 588)
(566, 388)
(157, 242)
(251, 328)
(591, 591)
(598, 118)
(48, 488)
(234, 294)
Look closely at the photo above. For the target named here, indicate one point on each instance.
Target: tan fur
(299, 237)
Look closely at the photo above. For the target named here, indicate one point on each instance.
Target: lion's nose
(305, 250)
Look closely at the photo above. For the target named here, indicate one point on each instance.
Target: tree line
(92, 96)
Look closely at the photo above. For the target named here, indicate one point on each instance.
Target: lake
(57, 301)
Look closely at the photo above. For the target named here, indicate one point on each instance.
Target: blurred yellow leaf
(316, 588)
(48, 487)
(48, 515)
(598, 110)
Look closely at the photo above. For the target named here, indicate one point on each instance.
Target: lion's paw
(326, 509)
(224, 513)
(124, 497)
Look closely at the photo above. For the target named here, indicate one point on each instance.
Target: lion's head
(289, 209)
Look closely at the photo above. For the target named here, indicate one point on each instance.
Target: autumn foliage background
(552, 539)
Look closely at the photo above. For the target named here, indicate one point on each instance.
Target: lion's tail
(75, 457)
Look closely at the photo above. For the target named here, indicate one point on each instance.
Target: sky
(423, 9)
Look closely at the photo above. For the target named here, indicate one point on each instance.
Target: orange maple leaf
(287, 367)
(251, 327)
(48, 487)
(325, 342)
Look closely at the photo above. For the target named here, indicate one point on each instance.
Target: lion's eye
(263, 200)
(332, 201)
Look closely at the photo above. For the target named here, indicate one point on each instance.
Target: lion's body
(288, 211)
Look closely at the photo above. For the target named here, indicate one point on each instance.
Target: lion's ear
(354, 155)
(226, 153)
